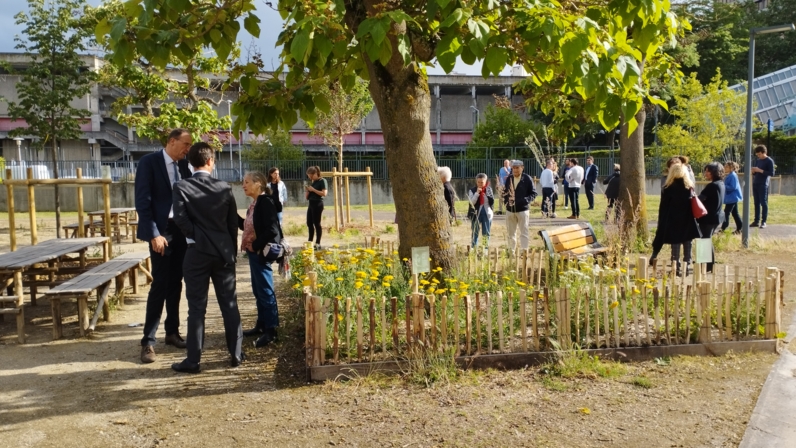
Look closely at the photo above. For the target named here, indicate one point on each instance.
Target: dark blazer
(591, 178)
(205, 211)
(523, 196)
(266, 223)
(612, 190)
(676, 223)
(153, 197)
(712, 198)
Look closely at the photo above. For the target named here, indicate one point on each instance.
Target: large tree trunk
(632, 194)
(402, 99)
(57, 191)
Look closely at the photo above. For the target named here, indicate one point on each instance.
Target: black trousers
(314, 213)
(166, 286)
(573, 200)
(199, 268)
(589, 193)
(548, 200)
(732, 209)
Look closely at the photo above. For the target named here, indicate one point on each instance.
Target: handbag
(275, 251)
(697, 208)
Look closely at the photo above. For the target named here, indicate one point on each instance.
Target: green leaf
(379, 31)
(658, 102)
(252, 25)
(404, 49)
(298, 48)
(609, 114)
(629, 110)
(573, 47)
(101, 30)
(496, 59)
(215, 35)
(119, 26)
(467, 56)
(443, 3)
(322, 103)
(453, 18)
(448, 49)
(324, 47)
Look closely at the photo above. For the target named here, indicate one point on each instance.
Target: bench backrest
(567, 238)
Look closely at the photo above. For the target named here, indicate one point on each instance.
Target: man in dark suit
(154, 178)
(590, 179)
(205, 211)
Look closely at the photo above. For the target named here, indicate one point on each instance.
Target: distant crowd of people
(677, 225)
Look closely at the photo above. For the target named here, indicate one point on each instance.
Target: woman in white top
(278, 191)
(574, 178)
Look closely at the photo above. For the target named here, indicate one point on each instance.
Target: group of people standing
(191, 222)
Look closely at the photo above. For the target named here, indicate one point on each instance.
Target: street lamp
(750, 87)
(477, 115)
(229, 114)
(19, 148)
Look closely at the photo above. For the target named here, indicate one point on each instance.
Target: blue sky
(271, 25)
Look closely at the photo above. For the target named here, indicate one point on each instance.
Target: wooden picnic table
(44, 259)
(120, 217)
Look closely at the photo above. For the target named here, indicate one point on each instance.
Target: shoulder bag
(697, 208)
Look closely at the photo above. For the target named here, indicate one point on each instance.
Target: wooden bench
(87, 228)
(576, 240)
(98, 278)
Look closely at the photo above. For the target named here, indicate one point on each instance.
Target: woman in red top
(480, 210)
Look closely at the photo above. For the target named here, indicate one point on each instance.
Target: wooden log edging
(507, 361)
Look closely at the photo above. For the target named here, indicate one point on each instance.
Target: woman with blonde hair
(676, 223)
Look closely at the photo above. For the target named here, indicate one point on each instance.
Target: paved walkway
(773, 421)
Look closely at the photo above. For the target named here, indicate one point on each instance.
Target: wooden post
(337, 200)
(534, 318)
(587, 318)
(433, 315)
(34, 232)
(335, 332)
(468, 317)
(488, 305)
(348, 319)
(596, 321)
(359, 328)
(106, 199)
(383, 324)
(456, 314)
(511, 321)
(408, 321)
(666, 296)
(347, 197)
(394, 306)
(615, 306)
(655, 304)
(81, 231)
(12, 225)
(370, 195)
(372, 318)
(634, 299)
(478, 323)
(501, 341)
(319, 345)
(704, 318)
(687, 314)
(546, 305)
(313, 277)
(606, 318)
(645, 310)
(720, 309)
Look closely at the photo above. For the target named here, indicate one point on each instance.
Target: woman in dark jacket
(676, 223)
(450, 194)
(612, 192)
(480, 211)
(261, 227)
(712, 198)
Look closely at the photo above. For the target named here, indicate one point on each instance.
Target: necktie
(176, 173)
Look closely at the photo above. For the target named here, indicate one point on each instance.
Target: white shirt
(586, 171)
(170, 171)
(575, 176)
(546, 179)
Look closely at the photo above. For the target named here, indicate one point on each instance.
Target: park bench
(577, 240)
(98, 278)
(133, 228)
(87, 229)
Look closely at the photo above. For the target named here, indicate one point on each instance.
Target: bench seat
(576, 240)
(98, 278)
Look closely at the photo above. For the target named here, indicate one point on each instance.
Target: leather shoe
(572, 217)
(234, 361)
(147, 354)
(254, 331)
(186, 367)
(268, 336)
(175, 340)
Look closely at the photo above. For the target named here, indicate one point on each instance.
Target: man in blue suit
(156, 174)
(590, 179)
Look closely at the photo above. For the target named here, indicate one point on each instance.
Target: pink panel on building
(374, 138)
(455, 139)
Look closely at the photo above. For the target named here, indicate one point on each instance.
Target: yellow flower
(623, 270)
(297, 286)
(389, 266)
(367, 287)
(405, 259)
(354, 260)
(358, 284)
(636, 291)
(361, 274)
(434, 281)
(388, 278)
(370, 251)
(319, 285)
(385, 284)
(614, 304)
(306, 282)
(335, 246)
(649, 287)
(424, 282)
(374, 278)
(430, 290)
(395, 252)
(339, 279)
(506, 278)
(440, 291)
(340, 317)
(321, 262)
(612, 286)
(519, 283)
(452, 290)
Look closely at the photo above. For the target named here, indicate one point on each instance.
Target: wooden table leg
(82, 314)
(21, 314)
(33, 291)
(134, 279)
(120, 289)
(58, 329)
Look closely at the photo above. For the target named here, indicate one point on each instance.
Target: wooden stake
(348, 319)
(704, 298)
(577, 317)
(596, 322)
(394, 306)
(587, 316)
(372, 318)
(433, 315)
(615, 306)
(546, 304)
(687, 314)
(511, 321)
(501, 342)
(359, 328)
(666, 315)
(655, 302)
(635, 299)
(383, 324)
(335, 335)
(409, 305)
(456, 315)
(478, 322)
(606, 319)
(747, 308)
(370, 196)
(523, 323)
(488, 304)
(645, 310)
(468, 320)
(444, 315)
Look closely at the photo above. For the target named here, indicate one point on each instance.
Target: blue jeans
(760, 194)
(263, 287)
(279, 215)
(481, 220)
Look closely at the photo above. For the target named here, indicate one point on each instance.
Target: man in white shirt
(574, 178)
(548, 183)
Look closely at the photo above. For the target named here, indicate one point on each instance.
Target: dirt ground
(95, 392)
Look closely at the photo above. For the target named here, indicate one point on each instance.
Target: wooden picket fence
(645, 306)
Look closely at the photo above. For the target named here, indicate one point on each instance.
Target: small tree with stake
(54, 78)
(346, 111)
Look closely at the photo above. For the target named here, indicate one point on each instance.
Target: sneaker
(553, 215)
(737, 232)
(572, 217)
(763, 225)
(566, 207)
(754, 224)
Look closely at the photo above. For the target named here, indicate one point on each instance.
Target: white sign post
(420, 264)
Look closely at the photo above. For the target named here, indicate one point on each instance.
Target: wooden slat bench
(87, 229)
(576, 240)
(98, 278)
(133, 228)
